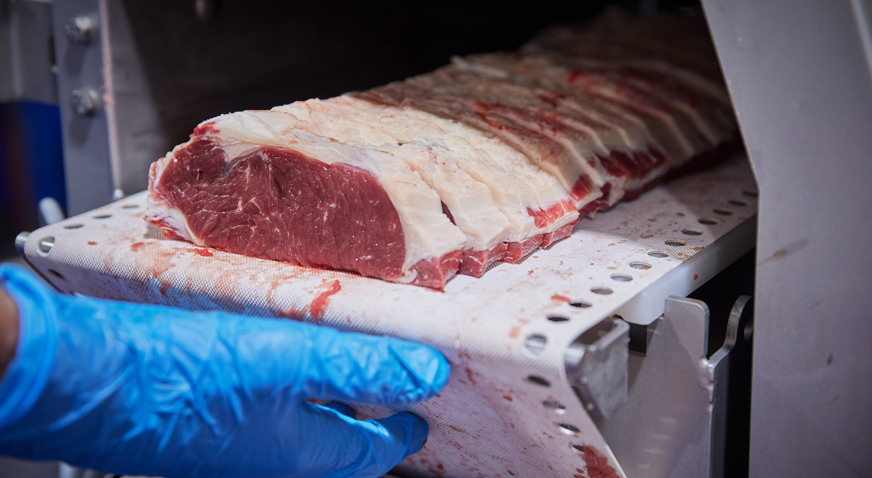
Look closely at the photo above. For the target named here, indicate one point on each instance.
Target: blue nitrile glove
(140, 389)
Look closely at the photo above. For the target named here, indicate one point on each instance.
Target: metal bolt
(85, 101)
(748, 332)
(21, 241)
(45, 244)
(79, 29)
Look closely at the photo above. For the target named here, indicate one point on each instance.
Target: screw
(78, 29)
(84, 101)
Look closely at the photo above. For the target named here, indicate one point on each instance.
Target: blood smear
(319, 305)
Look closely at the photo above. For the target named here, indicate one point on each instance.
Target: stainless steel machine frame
(799, 76)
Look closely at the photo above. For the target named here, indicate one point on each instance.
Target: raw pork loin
(482, 161)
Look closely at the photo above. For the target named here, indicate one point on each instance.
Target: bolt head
(84, 101)
(79, 30)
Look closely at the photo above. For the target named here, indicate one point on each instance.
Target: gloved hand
(141, 389)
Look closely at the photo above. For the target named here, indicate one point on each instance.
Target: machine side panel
(799, 78)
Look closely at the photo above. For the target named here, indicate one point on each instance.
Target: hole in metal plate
(568, 428)
(640, 265)
(750, 194)
(674, 243)
(580, 304)
(723, 212)
(537, 380)
(601, 290)
(57, 274)
(535, 343)
(736, 202)
(102, 216)
(557, 318)
(691, 232)
(73, 226)
(621, 277)
(708, 222)
(556, 407)
(130, 206)
(45, 244)
(658, 254)
(578, 449)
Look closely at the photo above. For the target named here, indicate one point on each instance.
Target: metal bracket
(739, 333)
(78, 44)
(596, 365)
(675, 419)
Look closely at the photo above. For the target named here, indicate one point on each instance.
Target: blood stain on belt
(319, 304)
(162, 287)
(561, 298)
(597, 464)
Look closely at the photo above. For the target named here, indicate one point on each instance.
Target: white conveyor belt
(498, 331)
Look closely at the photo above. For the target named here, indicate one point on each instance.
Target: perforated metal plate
(508, 409)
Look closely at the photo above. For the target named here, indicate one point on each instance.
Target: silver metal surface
(800, 79)
(21, 241)
(50, 211)
(25, 52)
(673, 424)
(717, 371)
(90, 177)
(509, 407)
(596, 366)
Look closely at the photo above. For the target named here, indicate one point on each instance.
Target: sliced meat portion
(682, 124)
(666, 93)
(467, 202)
(538, 145)
(536, 207)
(484, 160)
(615, 158)
(243, 185)
(615, 36)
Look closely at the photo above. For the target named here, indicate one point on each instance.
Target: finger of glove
(366, 369)
(325, 364)
(339, 445)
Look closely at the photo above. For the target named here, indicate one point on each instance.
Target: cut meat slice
(243, 185)
(666, 94)
(467, 202)
(528, 206)
(539, 148)
(615, 36)
(674, 123)
(615, 158)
